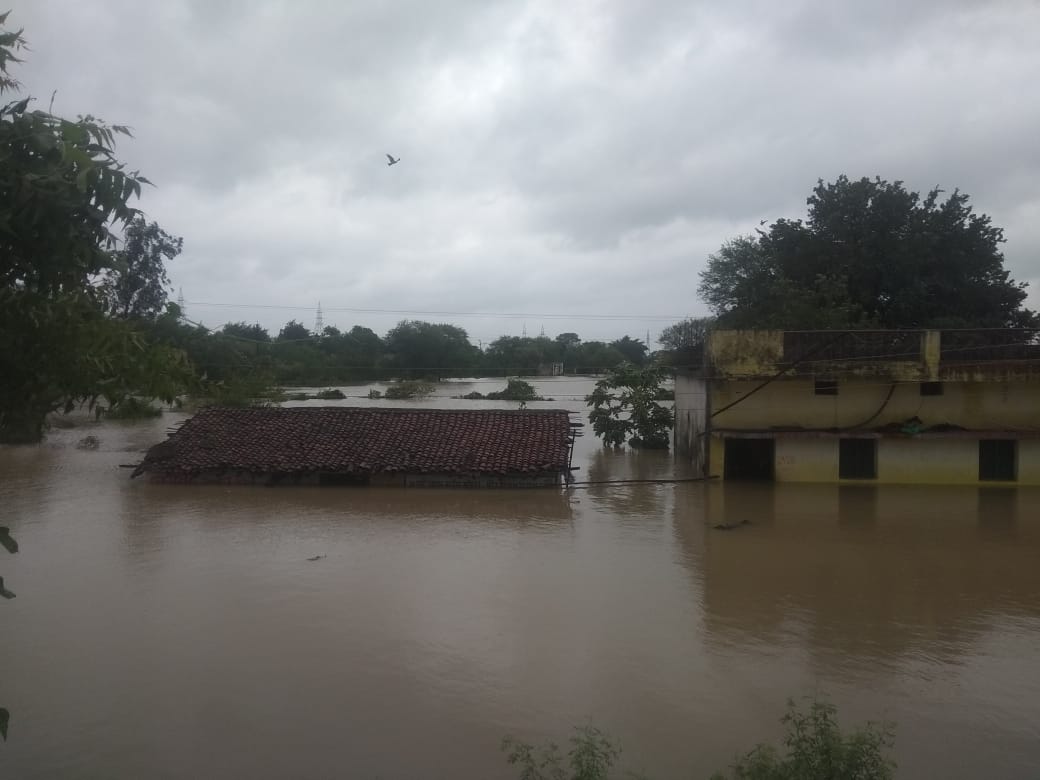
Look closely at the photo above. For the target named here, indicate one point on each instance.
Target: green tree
(519, 355)
(684, 341)
(633, 350)
(370, 346)
(245, 331)
(294, 331)
(416, 348)
(871, 254)
(625, 408)
(595, 356)
(62, 191)
(136, 285)
(568, 340)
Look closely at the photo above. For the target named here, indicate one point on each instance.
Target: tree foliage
(135, 285)
(633, 350)
(687, 334)
(815, 748)
(871, 254)
(625, 408)
(62, 192)
(246, 332)
(684, 342)
(294, 331)
(416, 348)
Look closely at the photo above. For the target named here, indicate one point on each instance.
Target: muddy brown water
(171, 631)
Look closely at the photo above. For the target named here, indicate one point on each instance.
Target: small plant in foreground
(591, 757)
(815, 748)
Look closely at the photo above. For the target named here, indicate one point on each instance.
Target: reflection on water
(182, 631)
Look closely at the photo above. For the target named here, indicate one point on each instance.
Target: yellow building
(911, 406)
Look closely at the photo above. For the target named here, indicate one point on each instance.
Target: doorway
(749, 459)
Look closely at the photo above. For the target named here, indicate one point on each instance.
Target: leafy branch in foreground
(625, 408)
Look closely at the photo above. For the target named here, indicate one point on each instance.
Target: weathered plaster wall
(793, 403)
(691, 407)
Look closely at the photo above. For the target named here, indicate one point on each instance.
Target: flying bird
(392, 160)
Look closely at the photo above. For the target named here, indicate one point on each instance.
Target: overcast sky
(577, 159)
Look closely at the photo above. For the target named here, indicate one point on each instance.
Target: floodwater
(175, 631)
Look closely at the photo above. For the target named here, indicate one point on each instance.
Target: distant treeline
(413, 349)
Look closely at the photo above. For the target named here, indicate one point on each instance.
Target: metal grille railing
(849, 345)
(989, 345)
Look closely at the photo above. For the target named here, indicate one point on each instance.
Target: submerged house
(910, 406)
(367, 446)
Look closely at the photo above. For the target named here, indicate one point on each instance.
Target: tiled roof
(355, 440)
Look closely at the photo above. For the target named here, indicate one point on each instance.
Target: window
(998, 461)
(826, 387)
(931, 388)
(857, 459)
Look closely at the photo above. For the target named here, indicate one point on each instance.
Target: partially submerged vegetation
(133, 408)
(515, 390)
(814, 747)
(409, 389)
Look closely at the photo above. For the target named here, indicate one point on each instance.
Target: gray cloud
(579, 161)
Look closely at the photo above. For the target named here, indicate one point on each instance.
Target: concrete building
(910, 406)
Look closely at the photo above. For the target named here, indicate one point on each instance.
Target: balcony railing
(991, 345)
(848, 345)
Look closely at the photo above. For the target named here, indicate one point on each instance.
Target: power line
(440, 313)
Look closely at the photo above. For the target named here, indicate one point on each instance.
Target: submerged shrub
(330, 394)
(409, 388)
(516, 390)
